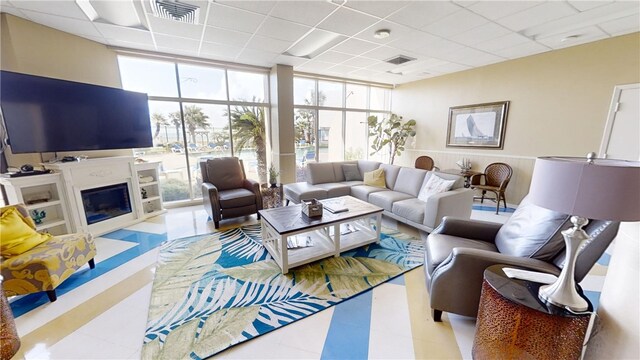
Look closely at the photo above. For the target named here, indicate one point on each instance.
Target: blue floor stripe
(492, 208)
(594, 298)
(145, 241)
(604, 259)
(348, 336)
(398, 280)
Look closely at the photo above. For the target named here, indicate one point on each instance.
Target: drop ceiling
(443, 36)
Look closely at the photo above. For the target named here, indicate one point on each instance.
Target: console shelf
(150, 194)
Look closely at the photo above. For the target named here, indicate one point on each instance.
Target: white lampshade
(604, 189)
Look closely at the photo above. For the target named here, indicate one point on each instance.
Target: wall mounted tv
(50, 115)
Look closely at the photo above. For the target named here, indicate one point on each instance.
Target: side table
(467, 174)
(271, 196)
(514, 324)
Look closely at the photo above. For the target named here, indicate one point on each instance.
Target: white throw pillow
(434, 185)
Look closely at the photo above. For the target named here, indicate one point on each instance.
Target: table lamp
(587, 188)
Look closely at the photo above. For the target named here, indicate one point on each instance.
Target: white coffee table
(279, 224)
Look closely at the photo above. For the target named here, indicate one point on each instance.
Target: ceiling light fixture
(121, 13)
(314, 43)
(382, 34)
(569, 38)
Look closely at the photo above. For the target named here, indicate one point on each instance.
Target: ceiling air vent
(399, 60)
(175, 10)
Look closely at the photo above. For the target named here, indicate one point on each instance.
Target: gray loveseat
(399, 199)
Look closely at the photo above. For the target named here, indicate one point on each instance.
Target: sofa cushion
(386, 198)
(440, 246)
(320, 173)
(297, 192)
(375, 178)
(533, 231)
(390, 174)
(353, 183)
(351, 172)
(434, 185)
(335, 189)
(367, 165)
(236, 198)
(411, 209)
(459, 180)
(338, 169)
(362, 192)
(409, 180)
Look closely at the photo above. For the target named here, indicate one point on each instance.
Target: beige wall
(30, 48)
(559, 104)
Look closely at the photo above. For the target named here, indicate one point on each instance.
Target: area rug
(217, 290)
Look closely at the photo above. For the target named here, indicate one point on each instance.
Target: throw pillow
(351, 172)
(375, 178)
(17, 236)
(434, 185)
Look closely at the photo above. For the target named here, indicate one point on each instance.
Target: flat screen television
(50, 115)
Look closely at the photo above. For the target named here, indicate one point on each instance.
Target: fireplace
(106, 202)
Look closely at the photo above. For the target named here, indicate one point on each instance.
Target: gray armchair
(226, 191)
(458, 251)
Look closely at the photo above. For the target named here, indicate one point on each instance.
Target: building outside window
(198, 112)
(330, 119)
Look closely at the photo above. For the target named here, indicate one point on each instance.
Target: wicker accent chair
(424, 163)
(226, 191)
(47, 265)
(495, 178)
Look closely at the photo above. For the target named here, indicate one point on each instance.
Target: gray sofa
(399, 199)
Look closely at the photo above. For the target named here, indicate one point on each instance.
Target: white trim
(606, 136)
(473, 154)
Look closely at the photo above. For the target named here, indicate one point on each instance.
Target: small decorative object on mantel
(464, 164)
(480, 125)
(38, 216)
(312, 208)
(143, 193)
(273, 176)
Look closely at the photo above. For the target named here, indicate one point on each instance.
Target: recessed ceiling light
(382, 34)
(569, 38)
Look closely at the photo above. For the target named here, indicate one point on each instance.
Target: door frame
(613, 109)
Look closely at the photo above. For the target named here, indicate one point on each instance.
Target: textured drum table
(514, 324)
(9, 340)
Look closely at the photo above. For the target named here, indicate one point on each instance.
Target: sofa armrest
(468, 229)
(210, 199)
(254, 187)
(455, 203)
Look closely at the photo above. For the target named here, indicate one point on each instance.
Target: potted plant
(391, 133)
(273, 176)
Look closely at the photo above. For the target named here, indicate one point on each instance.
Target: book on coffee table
(299, 241)
(334, 206)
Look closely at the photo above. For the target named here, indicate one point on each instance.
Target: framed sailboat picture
(479, 125)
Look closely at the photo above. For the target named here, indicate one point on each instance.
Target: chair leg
(92, 264)
(287, 203)
(216, 224)
(504, 199)
(482, 198)
(436, 315)
(497, 202)
(258, 216)
(52, 295)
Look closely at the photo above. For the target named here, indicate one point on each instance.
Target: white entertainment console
(77, 194)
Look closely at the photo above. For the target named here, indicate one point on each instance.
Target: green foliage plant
(390, 134)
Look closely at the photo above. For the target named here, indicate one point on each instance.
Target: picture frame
(478, 125)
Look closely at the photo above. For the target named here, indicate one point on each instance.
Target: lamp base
(563, 292)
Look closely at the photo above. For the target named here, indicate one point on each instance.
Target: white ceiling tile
(290, 60)
(124, 33)
(397, 32)
(503, 42)
(264, 43)
(493, 10)
(333, 57)
(526, 49)
(176, 51)
(537, 15)
(384, 53)
(131, 45)
(377, 8)
(303, 12)
(471, 57)
(621, 26)
(438, 47)
(226, 37)
(481, 33)
(367, 74)
(233, 19)
(448, 67)
(416, 39)
(360, 62)
(586, 5)
(419, 14)
(72, 26)
(67, 9)
(256, 57)
(178, 43)
(342, 69)
(175, 28)
(260, 7)
(220, 50)
(5, 8)
(315, 65)
(456, 23)
(354, 46)
(347, 22)
(382, 66)
(588, 34)
(282, 29)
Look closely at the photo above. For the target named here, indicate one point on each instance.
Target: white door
(621, 138)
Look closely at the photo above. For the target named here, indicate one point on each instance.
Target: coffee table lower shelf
(327, 240)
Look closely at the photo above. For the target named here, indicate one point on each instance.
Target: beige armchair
(458, 252)
(226, 191)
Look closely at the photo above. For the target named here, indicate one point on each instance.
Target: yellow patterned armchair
(45, 266)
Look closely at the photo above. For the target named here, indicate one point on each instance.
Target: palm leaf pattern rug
(217, 290)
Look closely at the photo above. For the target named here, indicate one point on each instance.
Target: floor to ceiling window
(331, 119)
(198, 112)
